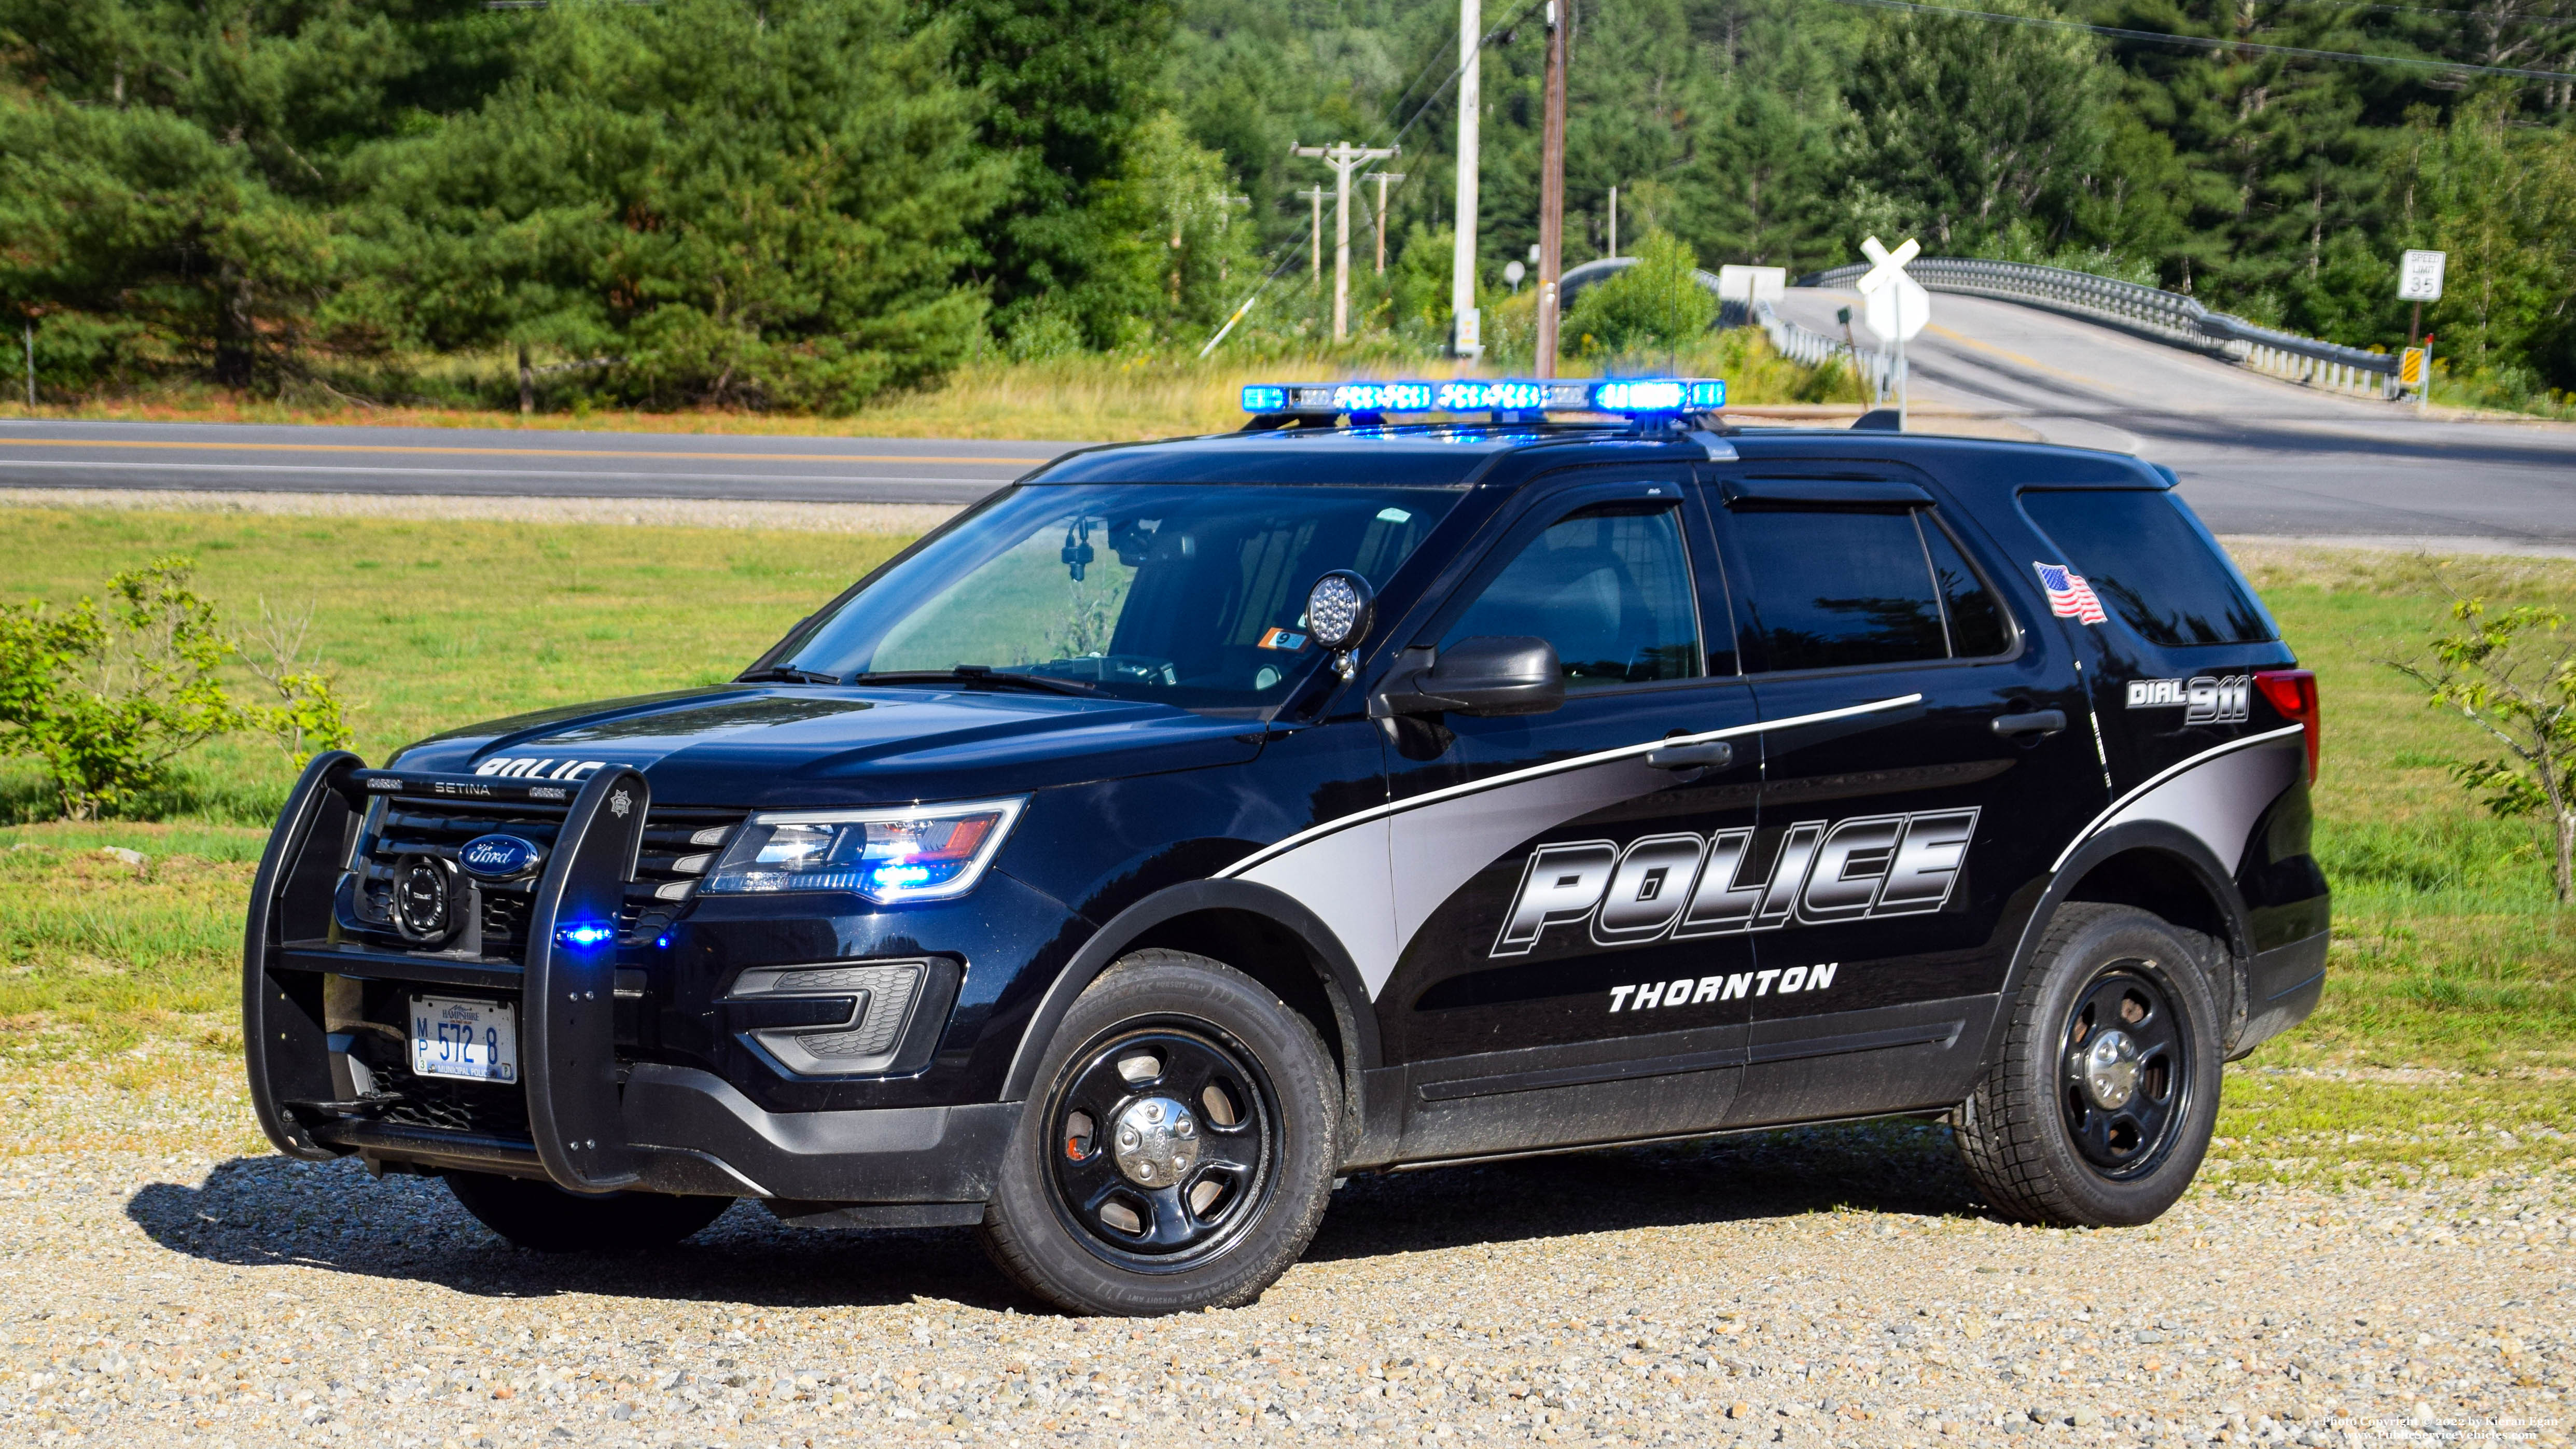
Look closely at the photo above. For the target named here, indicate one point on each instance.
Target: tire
(1197, 1077)
(544, 1217)
(2113, 994)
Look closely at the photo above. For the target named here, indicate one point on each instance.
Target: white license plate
(477, 1040)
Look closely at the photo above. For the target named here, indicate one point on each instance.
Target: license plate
(476, 1040)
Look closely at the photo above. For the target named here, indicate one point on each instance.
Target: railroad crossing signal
(1898, 305)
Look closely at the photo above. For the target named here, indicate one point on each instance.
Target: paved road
(497, 463)
(2256, 456)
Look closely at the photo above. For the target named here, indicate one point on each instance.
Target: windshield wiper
(782, 674)
(978, 674)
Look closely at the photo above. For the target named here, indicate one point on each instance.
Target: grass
(1074, 399)
(2446, 1042)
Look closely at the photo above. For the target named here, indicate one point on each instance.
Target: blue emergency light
(1632, 396)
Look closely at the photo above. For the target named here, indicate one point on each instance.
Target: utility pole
(1315, 234)
(1383, 178)
(1344, 158)
(1466, 325)
(1614, 221)
(31, 364)
(1551, 190)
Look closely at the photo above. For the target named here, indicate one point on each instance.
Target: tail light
(2294, 693)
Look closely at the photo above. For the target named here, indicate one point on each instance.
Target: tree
(1658, 304)
(761, 206)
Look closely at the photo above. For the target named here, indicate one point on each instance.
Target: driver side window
(1610, 587)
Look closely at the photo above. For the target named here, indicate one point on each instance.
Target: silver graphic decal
(2216, 795)
(2203, 698)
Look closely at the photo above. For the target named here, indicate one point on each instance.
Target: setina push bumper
(509, 1050)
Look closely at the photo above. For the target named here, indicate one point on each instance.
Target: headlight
(903, 853)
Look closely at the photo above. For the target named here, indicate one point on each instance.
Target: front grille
(680, 842)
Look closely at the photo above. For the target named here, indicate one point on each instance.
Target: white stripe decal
(1556, 767)
(2159, 778)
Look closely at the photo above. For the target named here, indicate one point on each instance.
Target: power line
(2510, 16)
(2206, 42)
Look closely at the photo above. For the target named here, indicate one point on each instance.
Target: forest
(803, 205)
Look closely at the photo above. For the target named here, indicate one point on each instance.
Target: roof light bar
(1633, 396)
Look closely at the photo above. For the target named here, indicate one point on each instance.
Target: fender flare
(1341, 977)
(2151, 835)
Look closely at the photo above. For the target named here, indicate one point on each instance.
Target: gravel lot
(1833, 1287)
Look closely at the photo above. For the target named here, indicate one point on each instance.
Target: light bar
(1633, 396)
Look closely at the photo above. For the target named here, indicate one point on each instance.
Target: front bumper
(580, 1117)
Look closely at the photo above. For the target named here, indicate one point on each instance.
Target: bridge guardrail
(2152, 312)
(1806, 345)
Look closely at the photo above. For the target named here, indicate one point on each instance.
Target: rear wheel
(1180, 1149)
(543, 1216)
(2098, 1112)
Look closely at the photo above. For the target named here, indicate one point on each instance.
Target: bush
(104, 698)
(1658, 304)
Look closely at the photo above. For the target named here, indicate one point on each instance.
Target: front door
(1926, 755)
(1552, 984)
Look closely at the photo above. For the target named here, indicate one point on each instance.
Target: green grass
(2446, 1041)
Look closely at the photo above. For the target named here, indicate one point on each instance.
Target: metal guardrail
(1805, 345)
(2150, 312)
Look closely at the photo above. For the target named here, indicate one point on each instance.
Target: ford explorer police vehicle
(1194, 823)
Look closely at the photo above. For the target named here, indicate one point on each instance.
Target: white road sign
(1752, 284)
(2419, 276)
(1898, 307)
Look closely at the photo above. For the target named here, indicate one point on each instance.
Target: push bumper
(595, 1124)
(2282, 986)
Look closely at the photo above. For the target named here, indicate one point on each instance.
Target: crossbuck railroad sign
(1898, 307)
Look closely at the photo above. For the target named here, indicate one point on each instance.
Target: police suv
(1195, 823)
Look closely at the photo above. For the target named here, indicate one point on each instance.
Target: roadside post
(1897, 305)
(2419, 280)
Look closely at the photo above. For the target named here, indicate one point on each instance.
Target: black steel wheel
(1167, 1140)
(1179, 1150)
(2097, 1109)
(2128, 1073)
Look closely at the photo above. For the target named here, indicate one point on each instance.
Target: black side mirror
(1488, 675)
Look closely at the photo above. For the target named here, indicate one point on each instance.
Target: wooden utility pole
(1383, 179)
(1466, 324)
(1344, 158)
(1551, 189)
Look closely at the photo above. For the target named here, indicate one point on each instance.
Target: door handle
(2037, 722)
(1714, 755)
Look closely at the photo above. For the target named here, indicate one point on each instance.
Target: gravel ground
(1830, 1287)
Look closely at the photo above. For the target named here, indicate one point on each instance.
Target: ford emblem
(499, 857)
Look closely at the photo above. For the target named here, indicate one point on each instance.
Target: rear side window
(2151, 563)
(1835, 588)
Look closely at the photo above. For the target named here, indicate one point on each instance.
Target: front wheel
(2099, 1110)
(1179, 1150)
(543, 1216)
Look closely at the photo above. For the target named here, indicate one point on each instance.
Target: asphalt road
(497, 463)
(2256, 456)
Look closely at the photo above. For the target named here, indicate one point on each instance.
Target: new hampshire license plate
(477, 1040)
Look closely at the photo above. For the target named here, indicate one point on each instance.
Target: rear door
(1551, 987)
(1926, 754)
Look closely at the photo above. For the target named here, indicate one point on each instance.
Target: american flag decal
(2069, 597)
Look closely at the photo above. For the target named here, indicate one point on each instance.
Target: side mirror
(1487, 675)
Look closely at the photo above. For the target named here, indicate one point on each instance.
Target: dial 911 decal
(1674, 887)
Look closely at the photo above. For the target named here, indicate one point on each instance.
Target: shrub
(104, 697)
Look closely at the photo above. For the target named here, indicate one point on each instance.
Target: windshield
(1192, 595)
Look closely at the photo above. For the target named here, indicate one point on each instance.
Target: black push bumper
(595, 1124)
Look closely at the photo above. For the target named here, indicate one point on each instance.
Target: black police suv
(1195, 823)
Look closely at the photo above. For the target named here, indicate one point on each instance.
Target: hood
(767, 746)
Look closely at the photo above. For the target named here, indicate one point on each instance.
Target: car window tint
(1832, 589)
(1976, 621)
(1610, 588)
(2151, 562)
